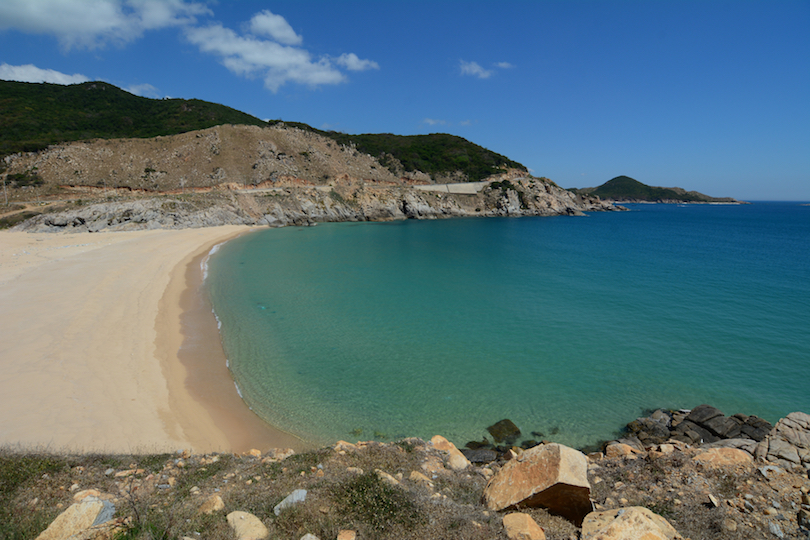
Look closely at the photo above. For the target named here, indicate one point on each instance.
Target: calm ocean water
(571, 327)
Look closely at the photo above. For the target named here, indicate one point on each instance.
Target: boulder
(78, 519)
(504, 431)
(632, 523)
(522, 527)
(455, 460)
(480, 455)
(552, 476)
(246, 526)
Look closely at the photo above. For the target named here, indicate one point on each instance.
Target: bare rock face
(631, 523)
(714, 458)
(788, 444)
(246, 526)
(522, 527)
(552, 476)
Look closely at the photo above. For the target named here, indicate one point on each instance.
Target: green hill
(626, 189)
(437, 153)
(33, 116)
(36, 115)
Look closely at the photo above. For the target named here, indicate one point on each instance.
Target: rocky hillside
(38, 115)
(430, 490)
(252, 175)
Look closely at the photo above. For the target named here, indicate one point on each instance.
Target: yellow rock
(633, 523)
(76, 519)
(723, 457)
(552, 476)
(522, 527)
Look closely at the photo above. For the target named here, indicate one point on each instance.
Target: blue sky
(712, 96)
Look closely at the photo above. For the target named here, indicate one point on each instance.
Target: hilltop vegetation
(626, 189)
(35, 116)
(435, 154)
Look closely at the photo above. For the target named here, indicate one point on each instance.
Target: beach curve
(98, 351)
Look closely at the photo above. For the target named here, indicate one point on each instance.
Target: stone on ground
(455, 460)
(522, 527)
(552, 476)
(297, 496)
(246, 526)
(633, 523)
(212, 504)
(79, 518)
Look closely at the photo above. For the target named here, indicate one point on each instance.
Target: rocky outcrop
(632, 523)
(702, 425)
(551, 476)
(788, 444)
(346, 199)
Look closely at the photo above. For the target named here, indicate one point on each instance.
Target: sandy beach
(106, 344)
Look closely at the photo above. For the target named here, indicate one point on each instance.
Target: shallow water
(569, 326)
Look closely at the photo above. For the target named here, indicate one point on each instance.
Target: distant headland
(623, 189)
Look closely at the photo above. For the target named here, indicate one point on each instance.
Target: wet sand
(107, 344)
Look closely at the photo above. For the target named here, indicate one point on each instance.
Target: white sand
(82, 365)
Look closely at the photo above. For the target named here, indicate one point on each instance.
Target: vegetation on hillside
(434, 154)
(624, 188)
(34, 116)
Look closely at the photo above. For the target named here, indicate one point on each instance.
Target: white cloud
(251, 57)
(274, 26)
(474, 69)
(277, 63)
(31, 73)
(353, 63)
(95, 23)
(143, 90)
(433, 122)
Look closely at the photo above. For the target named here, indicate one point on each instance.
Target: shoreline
(208, 380)
(99, 348)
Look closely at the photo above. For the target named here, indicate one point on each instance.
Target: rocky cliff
(261, 176)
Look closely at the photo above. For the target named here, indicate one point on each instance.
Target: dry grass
(163, 495)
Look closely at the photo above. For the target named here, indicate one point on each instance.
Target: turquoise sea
(569, 326)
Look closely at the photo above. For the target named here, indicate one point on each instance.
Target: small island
(623, 189)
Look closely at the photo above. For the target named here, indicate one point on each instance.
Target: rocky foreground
(415, 489)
